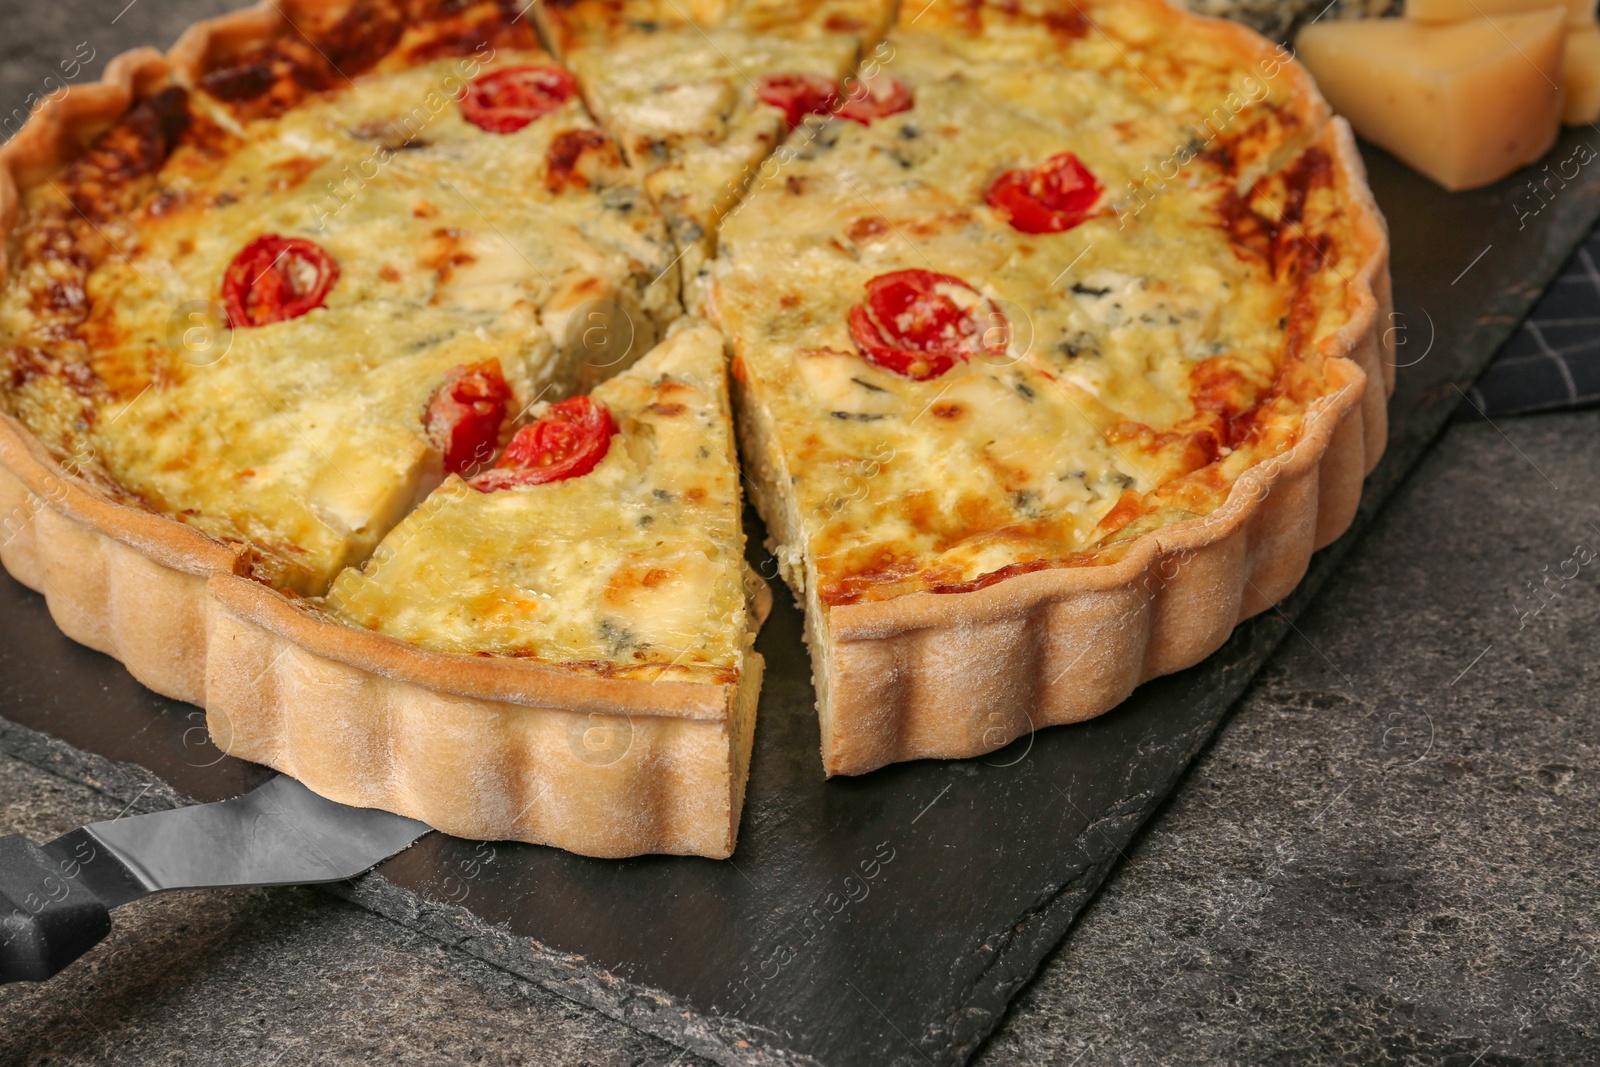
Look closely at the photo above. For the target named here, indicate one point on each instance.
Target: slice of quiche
(607, 536)
(281, 304)
(606, 541)
(699, 94)
(995, 346)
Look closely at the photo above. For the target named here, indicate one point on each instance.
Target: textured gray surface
(1387, 854)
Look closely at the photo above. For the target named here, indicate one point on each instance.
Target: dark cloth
(1552, 362)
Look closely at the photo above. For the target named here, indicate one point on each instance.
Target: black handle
(48, 915)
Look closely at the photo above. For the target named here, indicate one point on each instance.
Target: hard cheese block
(1465, 103)
(1581, 97)
(1579, 12)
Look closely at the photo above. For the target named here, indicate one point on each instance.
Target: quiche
(1047, 325)
(325, 266)
(362, 379)
(699, 94)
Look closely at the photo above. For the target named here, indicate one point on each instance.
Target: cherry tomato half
(465, 415)
(1057, 195)
(276, 278)
(798, 94)
(506, 100)
(917, 323)
(873, 98)
(570, 441)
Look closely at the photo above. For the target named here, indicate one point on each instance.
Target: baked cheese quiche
(320, 272)
(362, 379)
(700, 94)
(1046, 317)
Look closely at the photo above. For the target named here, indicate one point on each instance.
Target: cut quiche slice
(608, 537)
(700, 94)
(1004, 349)
(587, 599)
(241, 309)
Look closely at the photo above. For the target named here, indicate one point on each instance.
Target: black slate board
(883, 919)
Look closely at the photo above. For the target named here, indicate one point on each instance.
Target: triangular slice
(700, 94)
(607, 539)
(607, 543)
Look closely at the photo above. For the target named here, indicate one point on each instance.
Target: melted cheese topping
(683, 102)
(304, 437)
(1153, 353)
(571, 23)
(635, 568)
(678, 86)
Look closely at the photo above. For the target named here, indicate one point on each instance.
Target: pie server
(56, 899)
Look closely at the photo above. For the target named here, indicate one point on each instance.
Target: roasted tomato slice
(917, 323)
(506, 100)
(276, 278)
(570, 441)
(1057, 195)
(464, 417)
(873, 98)
(798, 94)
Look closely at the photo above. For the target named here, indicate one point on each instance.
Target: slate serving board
(885, 919)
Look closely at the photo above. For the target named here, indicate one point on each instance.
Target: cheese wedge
(1579, 12)
(1580, 89)
(1465, 103)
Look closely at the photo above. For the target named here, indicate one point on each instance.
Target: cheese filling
(634, 569)
(454, 246)
(1073, 388)
(680, 85)
(1151, 352)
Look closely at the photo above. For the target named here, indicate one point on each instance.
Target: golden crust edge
(602, 767)
(169, 603)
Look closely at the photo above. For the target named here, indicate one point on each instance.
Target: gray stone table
(1387, 855)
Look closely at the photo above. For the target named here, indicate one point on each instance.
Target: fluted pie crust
(493, 747)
